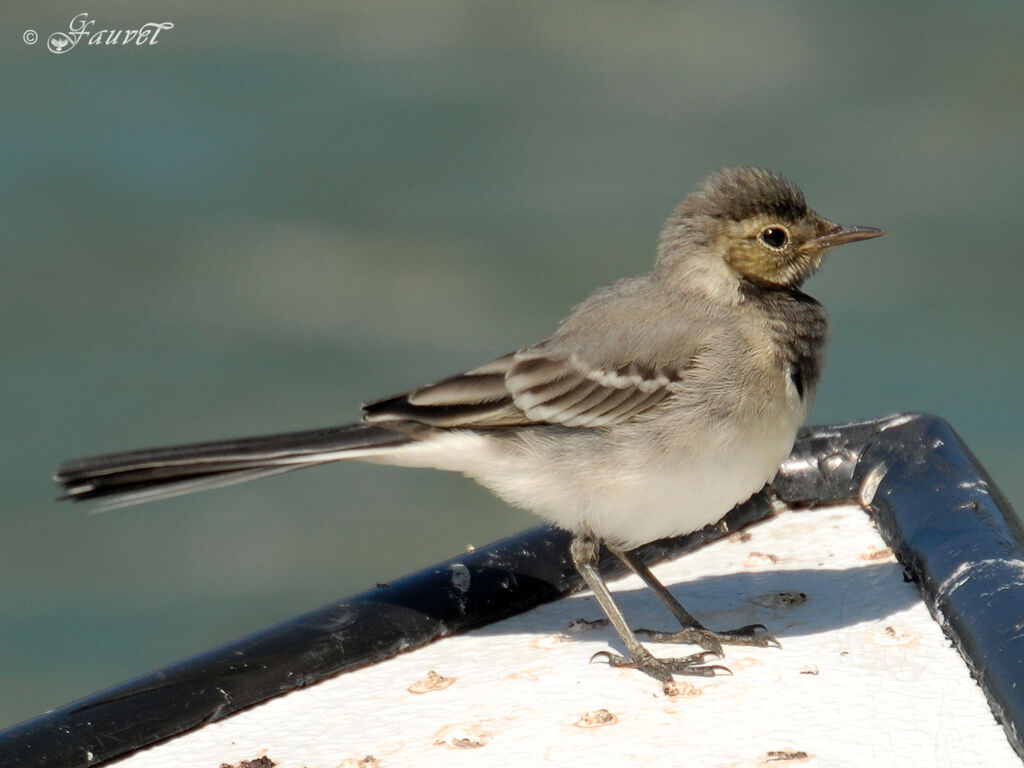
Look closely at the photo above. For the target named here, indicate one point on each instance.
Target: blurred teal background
(282, 210)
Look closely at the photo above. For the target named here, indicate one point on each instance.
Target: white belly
(593, 481)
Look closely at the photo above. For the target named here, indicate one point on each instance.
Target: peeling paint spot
(463, 736)
(597, 718)
(258, 762)
(432, 682)
(786, 756)
(681, 689)
(758, 559)
(780, 600)
(367, 761)
(577, 626)
(874, 554)
(892, 636)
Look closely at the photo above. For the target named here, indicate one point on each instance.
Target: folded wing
(533, 386)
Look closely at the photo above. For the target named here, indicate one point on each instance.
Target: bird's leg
(693, 631)
(584, 550)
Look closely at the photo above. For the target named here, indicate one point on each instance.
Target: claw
(704, 656)
(751, 634)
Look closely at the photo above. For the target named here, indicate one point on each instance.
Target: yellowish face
(768, 250)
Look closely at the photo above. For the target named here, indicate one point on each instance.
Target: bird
(661, 402)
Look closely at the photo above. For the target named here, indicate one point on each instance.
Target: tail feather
(156, 473)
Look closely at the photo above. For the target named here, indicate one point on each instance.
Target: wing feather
(612, 399)
(534, 386)
(469, 388)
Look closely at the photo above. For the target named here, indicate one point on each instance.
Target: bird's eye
(774, 237)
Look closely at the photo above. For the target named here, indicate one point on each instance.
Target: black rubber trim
(934, 504)
(949, 525)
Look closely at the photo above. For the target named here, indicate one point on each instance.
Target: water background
(283, 210)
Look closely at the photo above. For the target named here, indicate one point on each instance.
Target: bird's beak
(841, 234)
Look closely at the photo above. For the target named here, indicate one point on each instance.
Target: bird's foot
(752, 634)
(663, 669)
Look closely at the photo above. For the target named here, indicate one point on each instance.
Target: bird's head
(758, 224)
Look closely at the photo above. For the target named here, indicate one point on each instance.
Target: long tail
(121, 479)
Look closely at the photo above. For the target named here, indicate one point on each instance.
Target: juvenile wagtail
(661, 402)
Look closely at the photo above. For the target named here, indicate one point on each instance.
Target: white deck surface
(865, 677)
